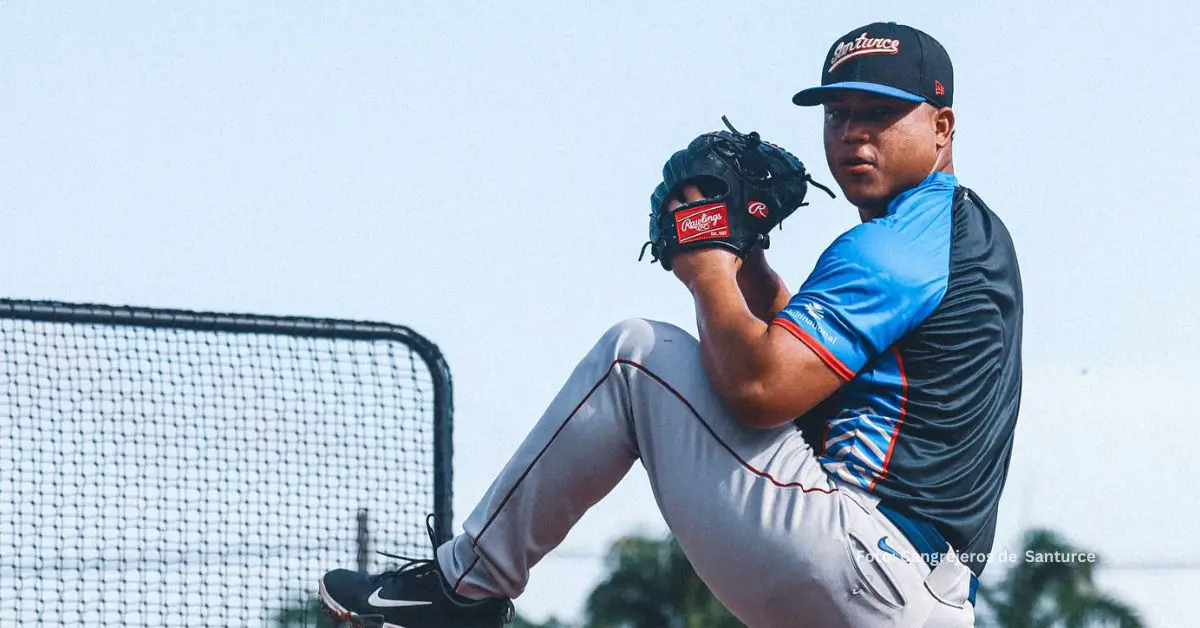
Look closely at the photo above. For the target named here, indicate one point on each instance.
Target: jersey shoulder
(906, 250)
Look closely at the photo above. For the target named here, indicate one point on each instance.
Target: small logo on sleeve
(864, 45)
(706, 222)
(812, 315)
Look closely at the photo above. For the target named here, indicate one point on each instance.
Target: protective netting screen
(205, 470)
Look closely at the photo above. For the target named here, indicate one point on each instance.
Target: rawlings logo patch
(758, 209)
(706, 222)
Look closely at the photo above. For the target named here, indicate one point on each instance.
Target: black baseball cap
(889, 59)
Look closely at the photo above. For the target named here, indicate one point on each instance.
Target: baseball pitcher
(828, 457)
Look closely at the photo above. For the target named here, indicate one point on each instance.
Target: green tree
(1051, 593)
(651, 584)
(522, 622)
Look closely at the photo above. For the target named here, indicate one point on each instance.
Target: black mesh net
(158, 476)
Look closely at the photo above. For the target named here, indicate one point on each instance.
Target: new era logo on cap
(889, 59)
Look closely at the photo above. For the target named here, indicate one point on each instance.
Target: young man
(900, 354)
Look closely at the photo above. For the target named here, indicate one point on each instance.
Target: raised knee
(634, 338)
(629, 335)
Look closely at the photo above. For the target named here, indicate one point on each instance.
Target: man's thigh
(768, 530)
(756, 514)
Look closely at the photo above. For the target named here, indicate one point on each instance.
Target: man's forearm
(765, 378)
(730, 335)
(763, 288)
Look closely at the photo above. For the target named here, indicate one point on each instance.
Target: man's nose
(853, 131)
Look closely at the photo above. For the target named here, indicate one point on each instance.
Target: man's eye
(835, 114)
(880, 112)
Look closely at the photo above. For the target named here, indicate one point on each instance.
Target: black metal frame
(297, 326)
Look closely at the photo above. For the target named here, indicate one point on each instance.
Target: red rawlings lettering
(706, 222)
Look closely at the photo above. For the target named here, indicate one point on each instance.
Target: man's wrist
(702, 265)
(755, 266)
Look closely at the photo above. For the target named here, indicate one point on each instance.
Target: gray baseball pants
(779, 541)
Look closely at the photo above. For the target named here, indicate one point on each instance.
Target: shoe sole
(340, 614)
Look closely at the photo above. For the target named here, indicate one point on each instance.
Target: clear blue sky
(481, 173)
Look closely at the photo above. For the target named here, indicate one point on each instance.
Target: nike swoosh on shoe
(381, 602)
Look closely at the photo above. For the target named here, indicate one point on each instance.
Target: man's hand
(763, 289)
(696, 264)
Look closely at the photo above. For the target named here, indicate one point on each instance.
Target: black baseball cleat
(414, 596)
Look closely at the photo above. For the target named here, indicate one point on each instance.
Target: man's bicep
(864, 294)
(799, 379)
(819, 348)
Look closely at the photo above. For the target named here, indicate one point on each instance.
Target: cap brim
(817, 95)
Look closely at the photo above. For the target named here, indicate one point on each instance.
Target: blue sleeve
(872, 286)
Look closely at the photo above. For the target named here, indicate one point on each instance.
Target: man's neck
(868, 213)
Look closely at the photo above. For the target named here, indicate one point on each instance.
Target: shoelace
(422, 567)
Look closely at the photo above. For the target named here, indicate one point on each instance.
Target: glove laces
(753, 140)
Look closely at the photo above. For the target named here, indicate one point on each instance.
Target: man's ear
(943, 126)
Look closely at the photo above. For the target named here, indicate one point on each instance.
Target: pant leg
(898, 588)
(757, 516)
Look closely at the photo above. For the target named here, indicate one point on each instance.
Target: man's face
(877, 146)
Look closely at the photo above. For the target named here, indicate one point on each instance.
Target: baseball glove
(749, 187)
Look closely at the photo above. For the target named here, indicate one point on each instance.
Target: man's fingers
(691, 194)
